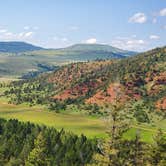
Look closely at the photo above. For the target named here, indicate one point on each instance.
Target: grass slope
(76, 123)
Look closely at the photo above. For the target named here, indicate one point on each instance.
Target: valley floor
(74, 122)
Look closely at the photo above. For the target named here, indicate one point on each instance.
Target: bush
(141, 116)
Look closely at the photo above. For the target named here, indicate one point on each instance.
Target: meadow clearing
(77, 123)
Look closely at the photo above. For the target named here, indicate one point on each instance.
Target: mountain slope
(21, 63)
(141, 77)
(95, 51)
(99, 47)
(16, 47)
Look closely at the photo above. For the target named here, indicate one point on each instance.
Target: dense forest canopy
(30, 144)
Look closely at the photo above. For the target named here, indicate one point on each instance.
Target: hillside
(16, 47)
(139, 78)
(85, 52)
(99, 47)
(21, 63)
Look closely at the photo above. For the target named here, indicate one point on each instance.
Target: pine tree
(139, 154)
(116, 126)
(158, 150)
(38, 156)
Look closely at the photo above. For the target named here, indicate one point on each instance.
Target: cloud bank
(138, 18)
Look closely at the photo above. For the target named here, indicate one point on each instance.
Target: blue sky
(129, 24)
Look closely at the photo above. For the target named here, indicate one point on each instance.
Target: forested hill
(142, 77)
(99, 48)
(17, 47)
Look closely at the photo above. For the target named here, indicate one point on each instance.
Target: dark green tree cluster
(56, 105)
(140, 112)
(34, 145)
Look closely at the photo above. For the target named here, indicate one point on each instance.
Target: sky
(137, 25)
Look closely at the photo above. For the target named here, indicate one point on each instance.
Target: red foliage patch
(108, 96)
(161, 104)
(160, 79)
(77, 91)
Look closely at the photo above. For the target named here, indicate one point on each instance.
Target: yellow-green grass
(74, 122)
(146, 135)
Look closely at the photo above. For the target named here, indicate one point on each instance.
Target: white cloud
(9, 34)
(32, 28)
(21, 34)
(134, 36)
(162, 12)
(129, 43)
(164, 27)
(28, 34)
(26, 27)
(57, 41)
(3, 30)
(25, 34)
(91, 41)
(155, 37)
(138, 18)
(6, 35)
(133, 42)
(35, 27)
(60, 39)
(55, 38)
(64, 39)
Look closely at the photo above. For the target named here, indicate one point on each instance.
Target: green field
(74, 122)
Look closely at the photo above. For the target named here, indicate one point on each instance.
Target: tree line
(33, 145)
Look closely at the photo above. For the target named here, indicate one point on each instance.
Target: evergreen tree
(158, 150)
(30, 144)
(37, 156)
(108, 153)
(138, 155)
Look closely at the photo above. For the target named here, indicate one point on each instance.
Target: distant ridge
(98, 48)
(28, 59)
(17, 47)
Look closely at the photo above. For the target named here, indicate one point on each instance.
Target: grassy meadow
(76, 123)
(73, 122)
